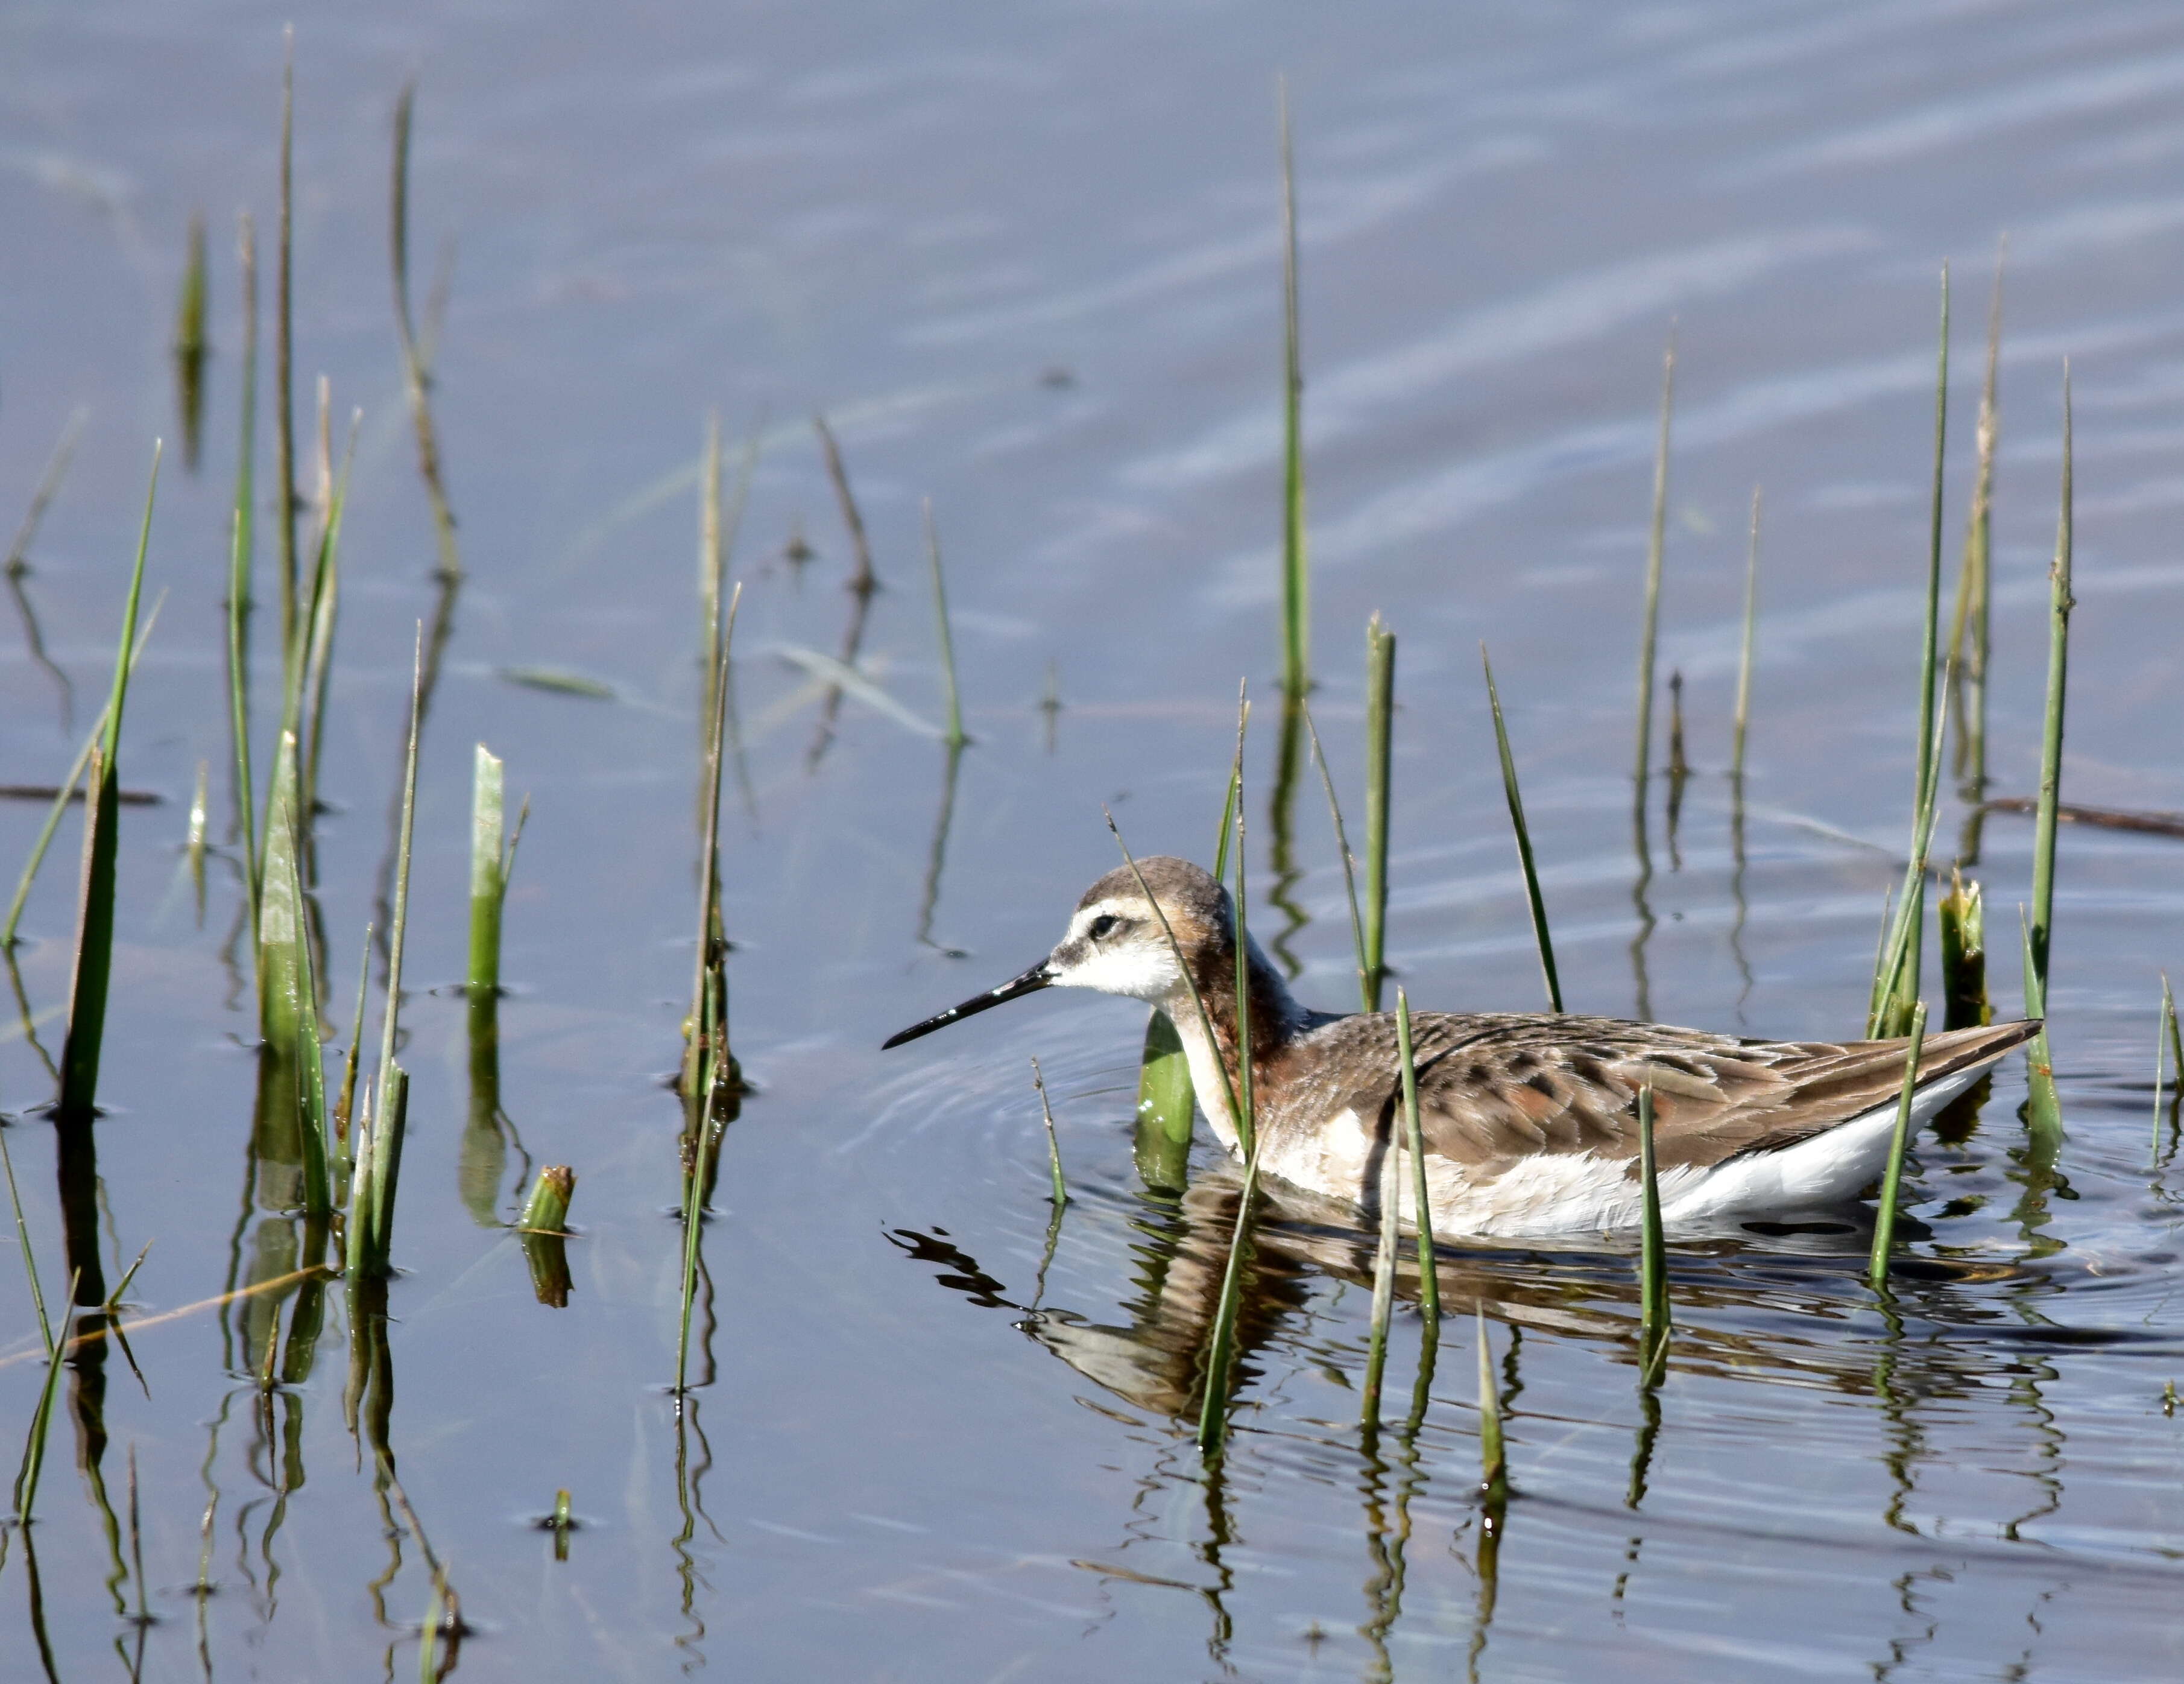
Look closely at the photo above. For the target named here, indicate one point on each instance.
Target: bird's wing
(1495, 1088)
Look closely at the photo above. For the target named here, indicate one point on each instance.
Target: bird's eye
(1103, 926)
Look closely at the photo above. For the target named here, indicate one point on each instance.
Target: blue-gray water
(1027, 260)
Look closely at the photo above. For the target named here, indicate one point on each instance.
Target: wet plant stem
(1060, 1195)
(241, 545)
(955, 738)
(1380, 727)
(1421, 1195)
(2044, 1107)
(1296, 579)
(1653, 1252)
(1349, 866)
(1524, 860)
(1649, 636)
(1891, 1179)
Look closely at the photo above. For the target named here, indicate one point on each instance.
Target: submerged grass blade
(1891, 1180)
(1493, 1460)
(956, 738)
(1538, 902)
(1053, 1145)
(1743, 716)
(1384, 1284)
(417, 375)
(1649, 636)
(1379, 727)
(240, 557)
(1653, 1252)
(1421, 1197)
(1296, 579)
(94, 950)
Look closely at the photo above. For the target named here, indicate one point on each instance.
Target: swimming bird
(1529, 1120)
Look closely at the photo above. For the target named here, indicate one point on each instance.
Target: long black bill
(1037, 977)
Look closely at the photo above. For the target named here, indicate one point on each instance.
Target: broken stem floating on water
(1538, 902)
(1891, 1180)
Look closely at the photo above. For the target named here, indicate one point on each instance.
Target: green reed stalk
(287, 982)
(1349, 866)
(1896, 983)
(283, 343)
(711, 562)
(956, 738)
(1297, 578)
(1493, 1458)
(345, 1108)
(1891, 1179)
(417, 373)
(1422, 1197)
(711, 1068)
(491, 862)
(392, 1085)
(2165, 1028)
(1230, 801)
(1379, 731)
(239, 568)
(64, 795)
(317, 665)
(1962, 916)
(1649, 636)
(1524, 859)
(1744, 649)
(1384, 1284)
(1053, 1144)
(2059, 605)
(41, 1418)
(1221, 1343)
(1652, 1251)
(94, 946)
(1968, 630)
(189, 348)
(709, 930)
(547, 1211)
(2175, 1038)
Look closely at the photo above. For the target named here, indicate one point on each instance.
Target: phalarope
(1529, 1120)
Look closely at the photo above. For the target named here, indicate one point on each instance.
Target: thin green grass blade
(1221, 1342)
(284, 383)
(1743, 715)
(1652, 1251)
(391, 1086)
(1384, 1284)
(2175, 1038)
(1229, 800)
(1421, 1195)
(1297, 578)
(1891, 1180)
(41, 1418)
(240, 558)
(2059, 605)
(1379, 729)
(1969, 628)
(1649, 636)
(23, 1242)
(2043, 1104)
(318, 663)
(1053, 1144)
(1349, 866)
(1524, 859)
(94, 951)
(2164, 1027)
(956, 738)
(1493, 1457)
(700, 1177)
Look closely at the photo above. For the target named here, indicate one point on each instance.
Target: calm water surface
(1028, 261)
